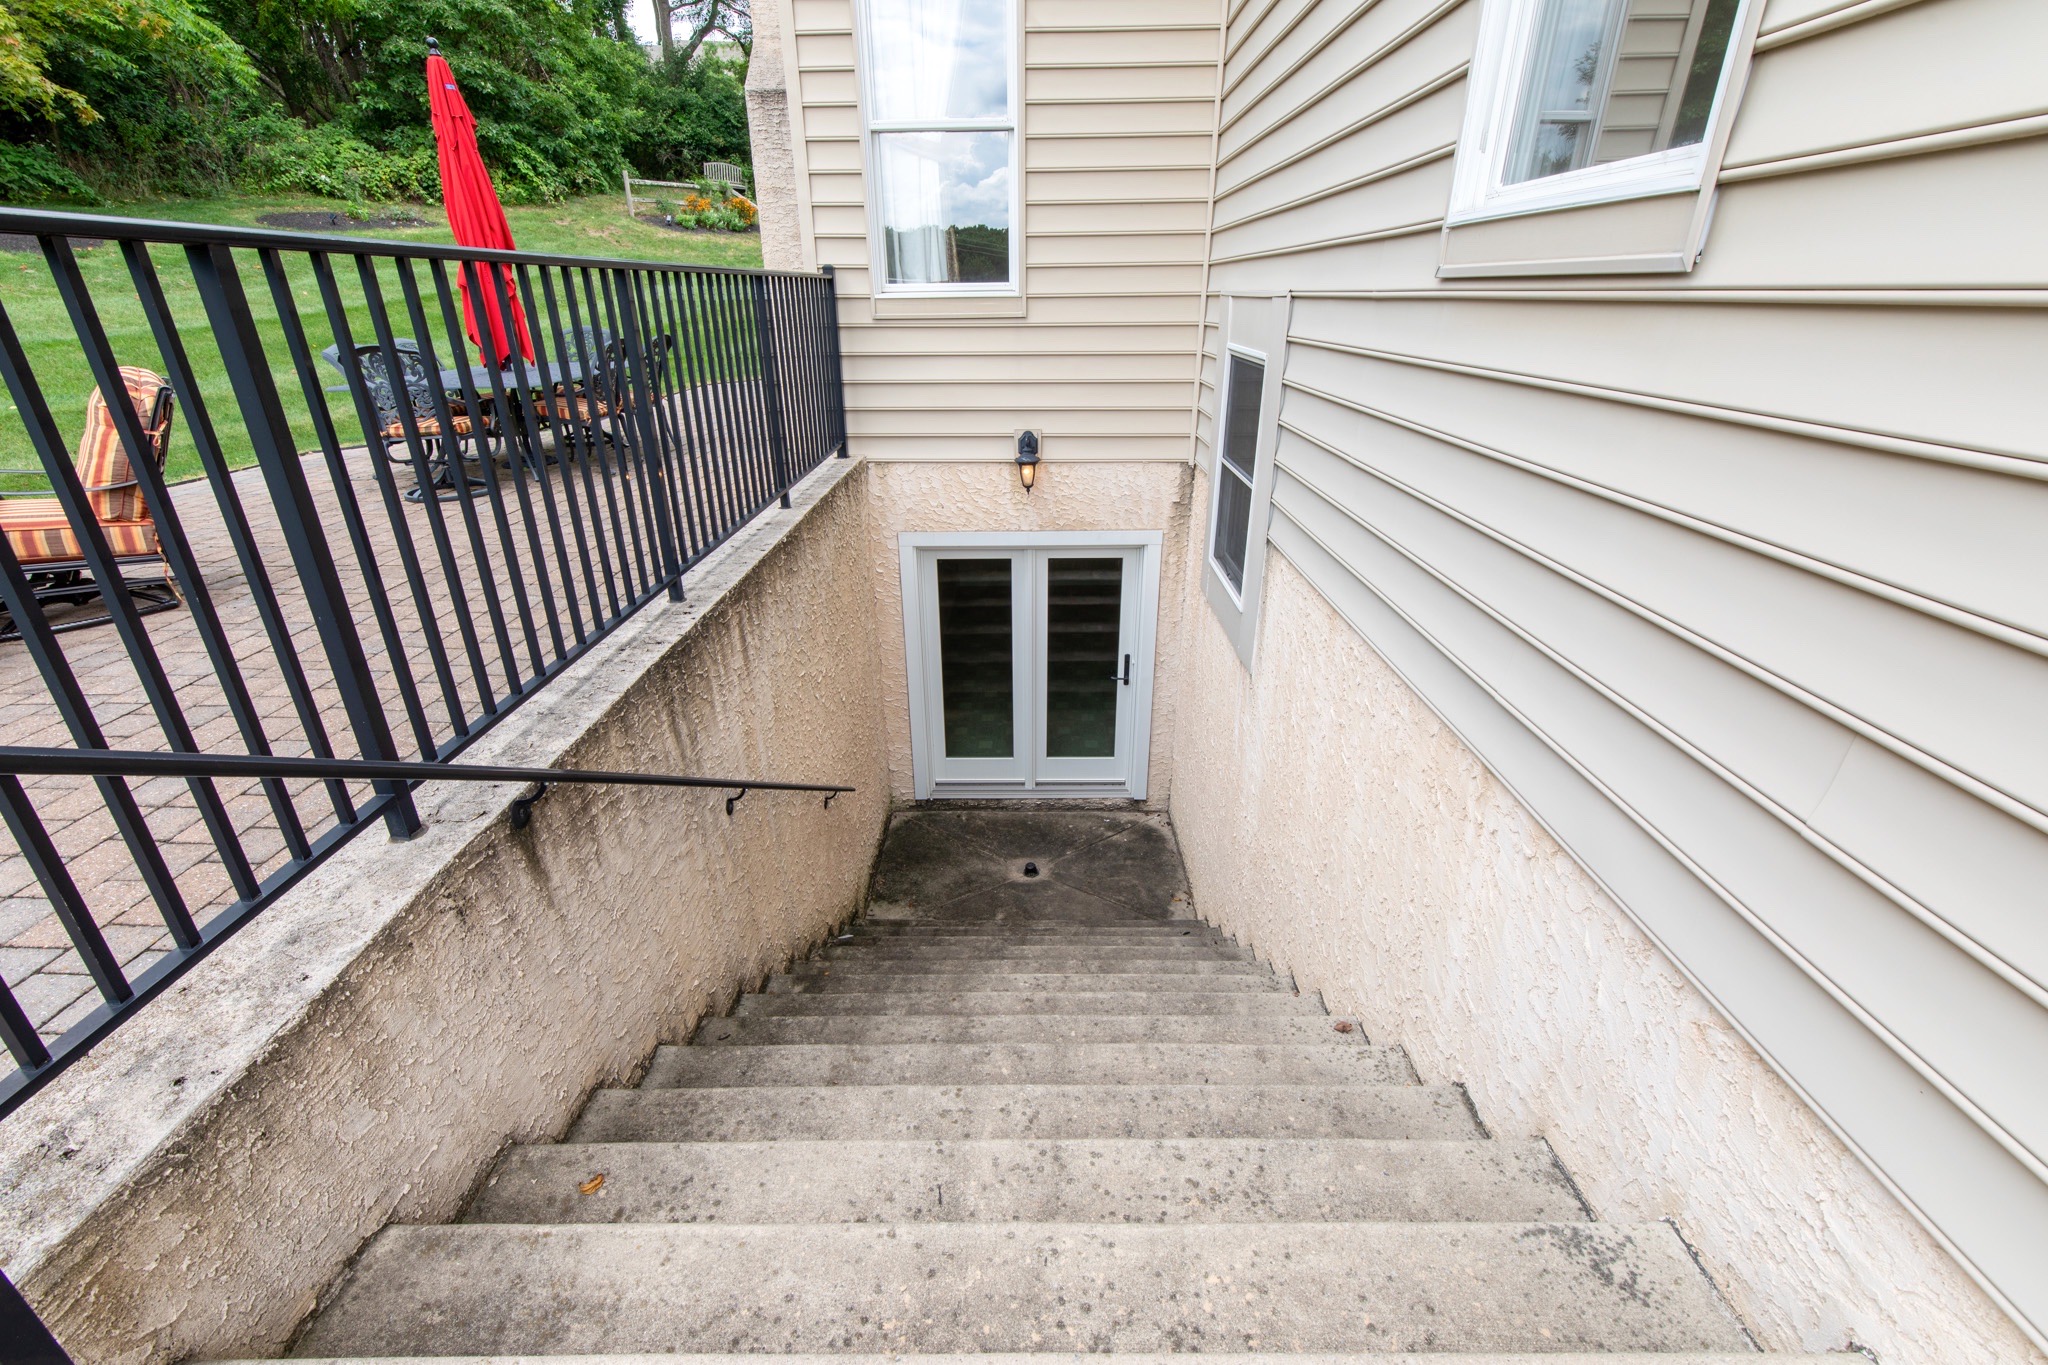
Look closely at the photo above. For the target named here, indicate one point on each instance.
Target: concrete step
(936, 1113)
(984, 1002)
(1006, 950)
(1049, 907)
(774, 1030)
(1034, 931)
(1206, 1180)
(1123, 1358)
(1037, 983)
(1110, 963)
(472, 1288)
(1318, 1063)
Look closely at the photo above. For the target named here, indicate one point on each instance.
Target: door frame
(918, 660)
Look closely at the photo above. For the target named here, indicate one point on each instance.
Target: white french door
(1030, 662)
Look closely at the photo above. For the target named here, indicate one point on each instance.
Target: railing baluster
(574, 448)
(596, 358)
(626, 430)
(697, 499)
(721, 499)
(835, 378)
(47, 865)
(666, 434)
(227, 308)
(634, 334)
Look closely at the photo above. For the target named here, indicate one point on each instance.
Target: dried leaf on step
(592, 1185)
(1342, 1026)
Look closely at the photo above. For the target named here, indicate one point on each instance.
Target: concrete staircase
(1038, 1125)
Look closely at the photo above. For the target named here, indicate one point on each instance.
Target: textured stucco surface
(985, 495)
(1335, 824)
(362, 1051)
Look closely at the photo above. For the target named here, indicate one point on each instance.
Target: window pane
(974, 657)
(1233, 525)
(1084, 612)
(1614, 79)
(945, 206)
(1241, 414)
(939, 59)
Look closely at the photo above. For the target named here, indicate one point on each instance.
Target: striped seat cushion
(102, 459)
(429, 427)
(580, 407)
(39, 534)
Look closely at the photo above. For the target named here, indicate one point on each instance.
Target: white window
(1237, 465)
(941, 86)
(1590, 101)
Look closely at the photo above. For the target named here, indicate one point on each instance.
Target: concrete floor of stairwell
(1018, 1115)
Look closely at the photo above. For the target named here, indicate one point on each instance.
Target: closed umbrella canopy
(474, 213)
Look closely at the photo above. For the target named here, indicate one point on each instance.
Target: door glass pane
(974, 657)
(1083, 632)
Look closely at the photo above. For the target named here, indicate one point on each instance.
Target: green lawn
(596, 226)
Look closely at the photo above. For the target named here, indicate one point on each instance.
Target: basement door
(1030, 662)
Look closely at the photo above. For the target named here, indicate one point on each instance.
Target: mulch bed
(320, 220)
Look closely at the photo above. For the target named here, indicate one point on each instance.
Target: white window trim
(1217, 475)
(918, 643)
(1507, 30)
(1012, 123)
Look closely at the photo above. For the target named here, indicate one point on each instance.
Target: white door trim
(916, 647)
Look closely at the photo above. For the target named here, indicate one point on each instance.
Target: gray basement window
(1237, 470)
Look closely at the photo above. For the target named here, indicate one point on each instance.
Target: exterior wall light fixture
(1027, 458)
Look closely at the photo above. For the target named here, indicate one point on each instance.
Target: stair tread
(1080, 964)
(849, 1064)
(1083, 1358)
(1047, 982)
(987, 1002)
(766, 1113)
(942, 1287)
(897, 950)
(769, 1029)
(1097, 1180)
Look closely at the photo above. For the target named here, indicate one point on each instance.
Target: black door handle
(1126, 679)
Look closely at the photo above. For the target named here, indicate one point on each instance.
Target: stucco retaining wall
(361, 1051)
(1332, 821)
(985, 495)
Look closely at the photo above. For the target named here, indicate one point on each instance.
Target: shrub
(332, 163)
(33, 175)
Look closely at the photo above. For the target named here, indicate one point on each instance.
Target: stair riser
(1333, 1287)
(984, 1002)
(1107, 964)
(944, 1113)
(880, 950)
(1183, 1181)
(904, 983)
(772, 1030)
(1030, 1064)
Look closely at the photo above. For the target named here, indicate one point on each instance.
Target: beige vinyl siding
(1735, 577)
(1117, 125)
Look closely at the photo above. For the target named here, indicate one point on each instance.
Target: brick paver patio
(36, 957)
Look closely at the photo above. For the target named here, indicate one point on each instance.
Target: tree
(732, 18)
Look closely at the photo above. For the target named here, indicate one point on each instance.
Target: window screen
(1237, 466)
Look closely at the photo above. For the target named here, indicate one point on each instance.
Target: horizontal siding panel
(1870, 82)
(1125, 13)
(1430, 124)
(808, 16)
(906, 339)
(832, 121)
(1832, 503)
(843, 253)
(1148, 47)
(1388, 263)
(1070, 448)
(1782, 14)
(828, 87)
(1096, 366)
(1117, 186)
(1435, 59)
(840, 219)
(1053, 395)
(828, 155)
(1005, 421)
(1964, 1180)
(1135, 153)
(1960, 219)
(1196, 116)
(1962, 376)
(1286, 38)
(1840, 646)
(1345, 71)
(814, 50)
(1149, 248)
(1104, 283)
(1410, 196)
(1255, 28)
(1084, 307)
(837, 187)
(1169, 216)
(1089, 85)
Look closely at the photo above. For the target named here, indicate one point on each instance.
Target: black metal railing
(361, 538)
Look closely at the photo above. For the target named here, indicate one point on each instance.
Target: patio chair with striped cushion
(47, 544)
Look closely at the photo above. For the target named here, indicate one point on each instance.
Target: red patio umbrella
(474, 213)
